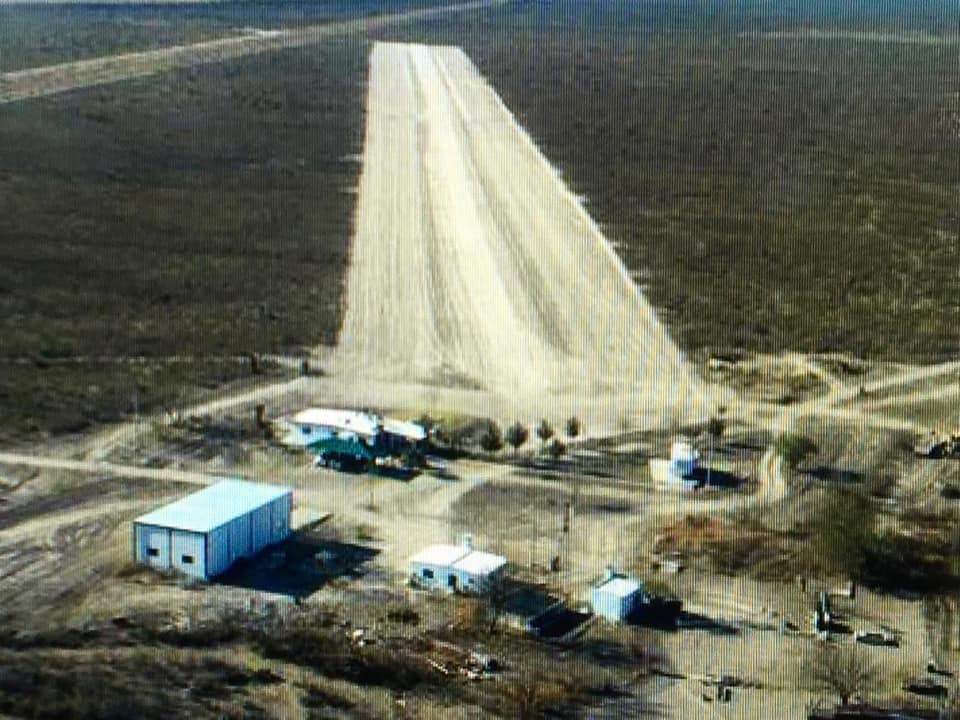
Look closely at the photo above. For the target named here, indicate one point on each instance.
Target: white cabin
(683, 459)
(455, 568)
(617, 596)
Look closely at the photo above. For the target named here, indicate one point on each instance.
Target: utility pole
(136, 416)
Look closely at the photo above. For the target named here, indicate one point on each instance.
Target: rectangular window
(305, 429)
(186, 559)
(428, 574)
(153, 552)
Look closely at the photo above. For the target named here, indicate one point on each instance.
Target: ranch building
(455, 568)
(203, 534)
(616, 597)
(352, 438)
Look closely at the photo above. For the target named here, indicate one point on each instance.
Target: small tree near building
(845, 533)
(841, 670)
(544, 431)
(716, 426)
(794, 447)
(495, 595)
(715, 429)
(557, 448)
(492, 439)
(517, 435)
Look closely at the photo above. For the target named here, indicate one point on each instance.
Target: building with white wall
(203, 534)
(455, 568)
(617, 596)
(683, 459)
(359, 435)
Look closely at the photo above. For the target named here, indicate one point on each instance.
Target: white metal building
(455, 568)
(683, 459)
(316, 424)
(616, 596)
(203, 534)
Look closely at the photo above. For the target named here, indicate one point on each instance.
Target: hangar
(203, 534)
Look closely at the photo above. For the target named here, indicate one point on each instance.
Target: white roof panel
(214, 506)
(477, 562)
(442, 555)
(358, 422)
(409, 430)
(621, 587)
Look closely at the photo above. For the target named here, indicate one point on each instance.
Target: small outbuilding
(455, 568)
(683, 459)
(616, 597)
(203, 534)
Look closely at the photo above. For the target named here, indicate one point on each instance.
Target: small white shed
(616, 596)
(203, 534)
(683, 459)
(455, 568)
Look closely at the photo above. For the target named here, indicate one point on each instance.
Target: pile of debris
(449, 659)
(937, 445)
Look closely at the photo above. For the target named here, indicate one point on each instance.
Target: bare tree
(574, 427)
(495, 595)
(841, 670)
(715, 429)
(528, 698)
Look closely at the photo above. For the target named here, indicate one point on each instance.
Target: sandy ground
(37, 82)
(473, 266)
(106, 468)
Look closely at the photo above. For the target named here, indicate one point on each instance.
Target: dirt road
(105, 468)
(474, 266)
(37, 82)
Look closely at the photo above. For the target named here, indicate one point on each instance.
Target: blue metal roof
(214, 506)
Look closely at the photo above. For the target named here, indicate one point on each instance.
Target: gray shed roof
(214, 506)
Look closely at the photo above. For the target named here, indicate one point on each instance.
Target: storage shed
(617, 596)
(455, 568)
(683, 459)
(203, 534)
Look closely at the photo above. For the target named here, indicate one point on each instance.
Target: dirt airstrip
(474, 266)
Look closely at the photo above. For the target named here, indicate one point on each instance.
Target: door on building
(154, 546)
(452, 582)
(189, 553)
